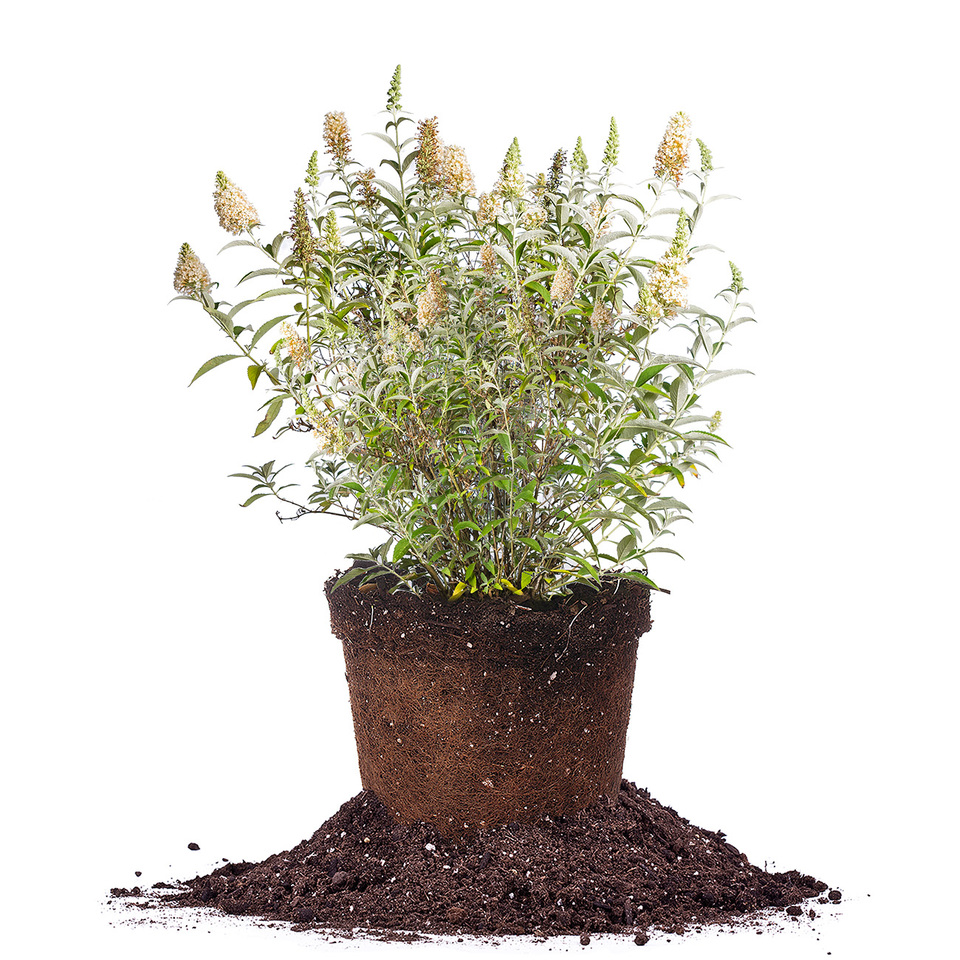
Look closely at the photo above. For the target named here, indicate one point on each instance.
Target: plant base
(486, 712)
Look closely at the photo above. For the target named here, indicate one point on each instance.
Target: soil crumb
(624, 865)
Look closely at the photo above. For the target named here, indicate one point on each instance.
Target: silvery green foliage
(508, 384)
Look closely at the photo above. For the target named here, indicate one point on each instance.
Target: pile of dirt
(623, 865)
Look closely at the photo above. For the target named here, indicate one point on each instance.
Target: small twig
(301, 512)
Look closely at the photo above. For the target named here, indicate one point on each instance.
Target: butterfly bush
(508, 383)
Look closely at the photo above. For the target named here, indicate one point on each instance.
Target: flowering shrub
(507, 383)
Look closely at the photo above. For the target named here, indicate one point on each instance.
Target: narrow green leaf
(214, 362)
(272, 412)
(267, 327)
(649, 373)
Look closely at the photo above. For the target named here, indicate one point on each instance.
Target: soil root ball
(490, 710)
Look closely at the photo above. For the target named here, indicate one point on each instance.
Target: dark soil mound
(621, 866)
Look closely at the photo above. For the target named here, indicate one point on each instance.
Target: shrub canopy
(507, 383)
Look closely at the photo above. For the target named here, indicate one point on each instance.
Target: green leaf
(237, 243)
(678, 393)
(639, 577)
(649, 373)
(534, 286)
(667, 503)
(214, 362)
(267, 327)
(626, 546)
(253, 374)
(256, 496)
(272, 412)
(720, 374)
(400, 549)
(355, 572)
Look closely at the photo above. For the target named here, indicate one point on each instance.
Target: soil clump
(626, 864)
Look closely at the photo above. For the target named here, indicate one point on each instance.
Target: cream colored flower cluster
(668, 283)
(400, 339)
(235, 211)
(564, 286)
(327, 431)
(599, 222)
(534, 217)
(336, 136)
(511, 185)
(648, 306)
(330, 436)
(488, 260)
(296, 346)
(488, 210)
(457, 176)
(439, 166)
(190, 277)
(432, 302)
(671, 158)
(601, 320)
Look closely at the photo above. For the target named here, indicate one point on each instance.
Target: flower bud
(579, 157)
(393, 94)
(313, 170)
(706, 157)
(331, 233)
(369, 194)
(511, 184)
(612, 150)
(304, 242)
(736, 284)
(555, 177)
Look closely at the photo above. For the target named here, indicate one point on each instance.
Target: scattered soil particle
(193, 846)
(124, 892)
(623, 865)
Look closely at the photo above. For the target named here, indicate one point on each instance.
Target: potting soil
(626, 864)
(488, 710)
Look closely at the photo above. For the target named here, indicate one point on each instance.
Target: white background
(169, 675)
